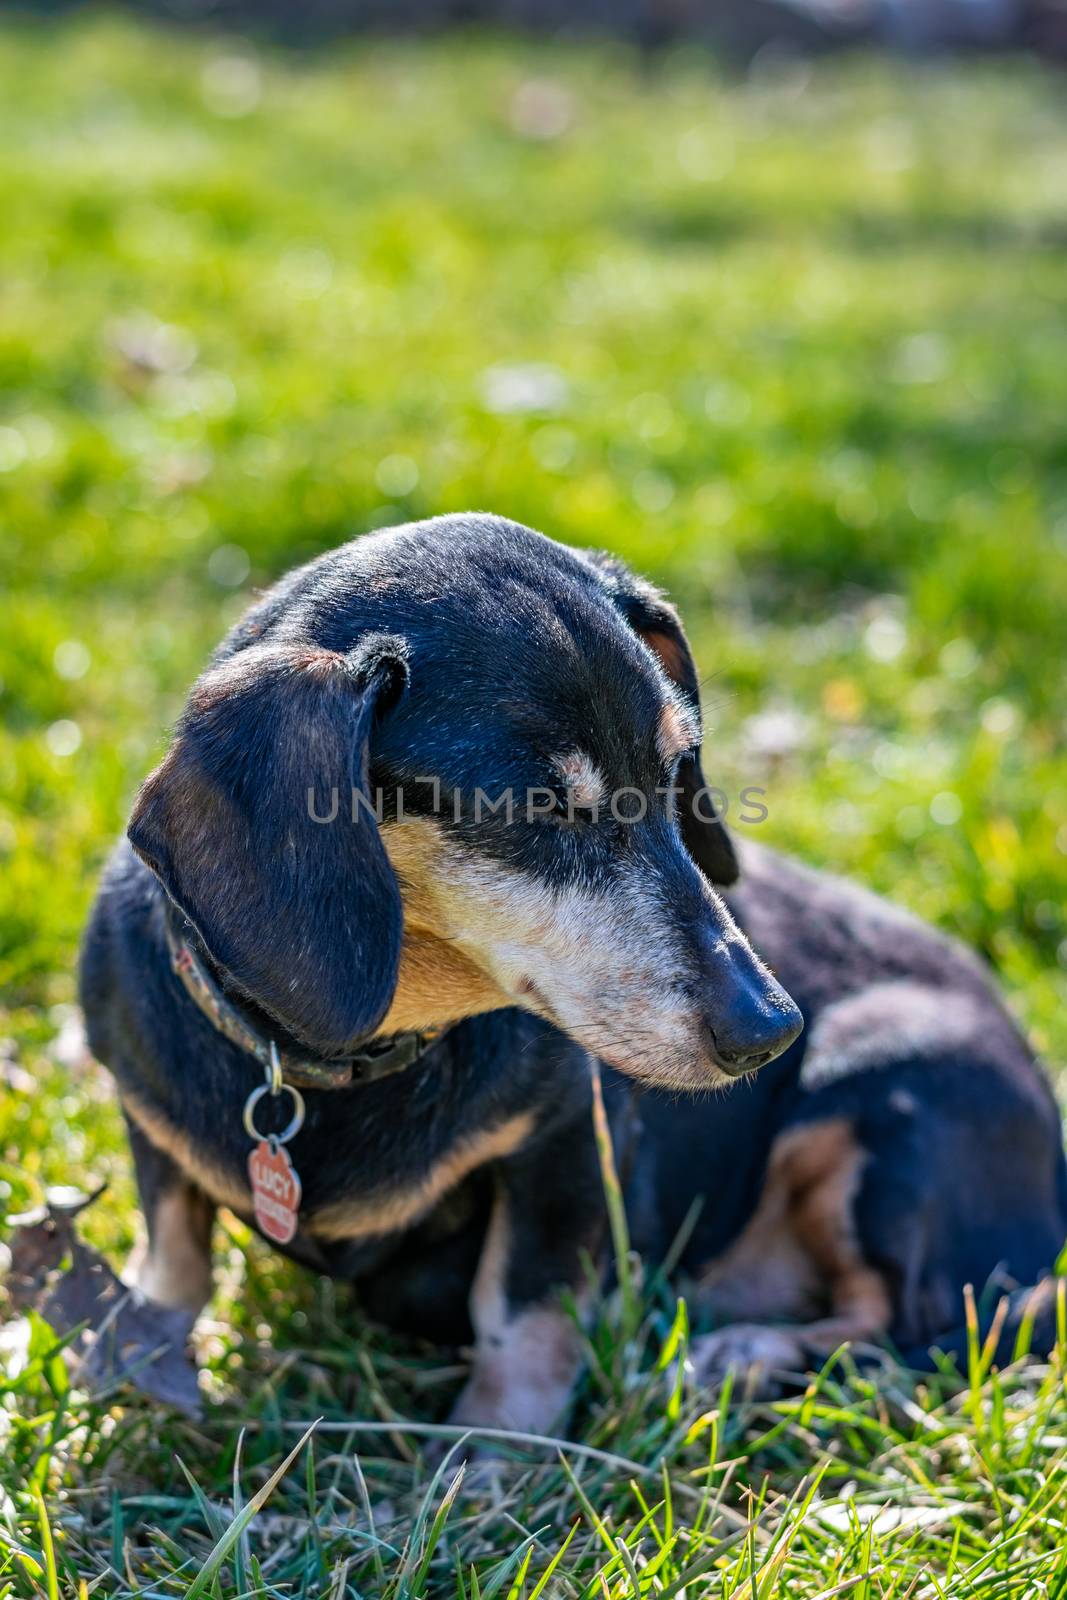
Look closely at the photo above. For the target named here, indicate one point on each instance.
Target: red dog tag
(275, 1191)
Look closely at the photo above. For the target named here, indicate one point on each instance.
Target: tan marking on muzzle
(603, 966)
(436, 984)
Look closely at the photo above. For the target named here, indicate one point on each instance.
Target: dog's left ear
(657, 625)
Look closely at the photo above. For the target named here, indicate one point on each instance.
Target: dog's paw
(480, 1453)
(480, 1410)
(761, 1358)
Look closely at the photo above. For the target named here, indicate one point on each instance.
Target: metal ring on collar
(296, 1121)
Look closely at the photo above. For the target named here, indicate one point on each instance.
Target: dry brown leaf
(122, 1336)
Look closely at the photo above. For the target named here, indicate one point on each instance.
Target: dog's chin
(670, 1067)
(696, 1076)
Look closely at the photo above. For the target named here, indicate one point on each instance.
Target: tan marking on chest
(166, 1135)
(390, 1209)
(357, 1216)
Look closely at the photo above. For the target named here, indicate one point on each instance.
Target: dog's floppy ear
(657, 624)
(304, 915)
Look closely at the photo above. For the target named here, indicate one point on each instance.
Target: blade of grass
(47, 1545)
(620, 1232)
(241, 1549)
(240, 1523)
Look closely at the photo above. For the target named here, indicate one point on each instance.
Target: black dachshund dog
(432, 835)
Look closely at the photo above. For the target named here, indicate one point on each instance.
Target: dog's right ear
(659, 627)
(304, 916)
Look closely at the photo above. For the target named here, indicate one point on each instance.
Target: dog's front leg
(173, 1266)
(547, 1214)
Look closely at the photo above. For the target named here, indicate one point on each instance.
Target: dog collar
(380, 1058)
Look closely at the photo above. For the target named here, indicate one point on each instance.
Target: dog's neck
(437, 985)
(245, 1025)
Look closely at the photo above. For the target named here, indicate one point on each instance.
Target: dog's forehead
(518, 656)
(494, 615)
(557, 668)
(584, 703)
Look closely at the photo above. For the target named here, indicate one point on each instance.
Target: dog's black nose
(745, 1016)
(757, 1028)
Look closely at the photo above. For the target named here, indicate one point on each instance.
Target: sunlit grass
(796, 346)
(861, 1481)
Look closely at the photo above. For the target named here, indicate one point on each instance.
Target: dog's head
(456, 766)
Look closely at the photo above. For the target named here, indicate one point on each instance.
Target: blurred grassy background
(794, 344)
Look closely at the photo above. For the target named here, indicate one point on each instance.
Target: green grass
(805, 353)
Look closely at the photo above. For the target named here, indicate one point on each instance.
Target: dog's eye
(569, 808)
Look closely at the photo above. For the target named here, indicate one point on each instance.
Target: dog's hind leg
(173, 1266)
(799, 1258)
(922, 1155)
